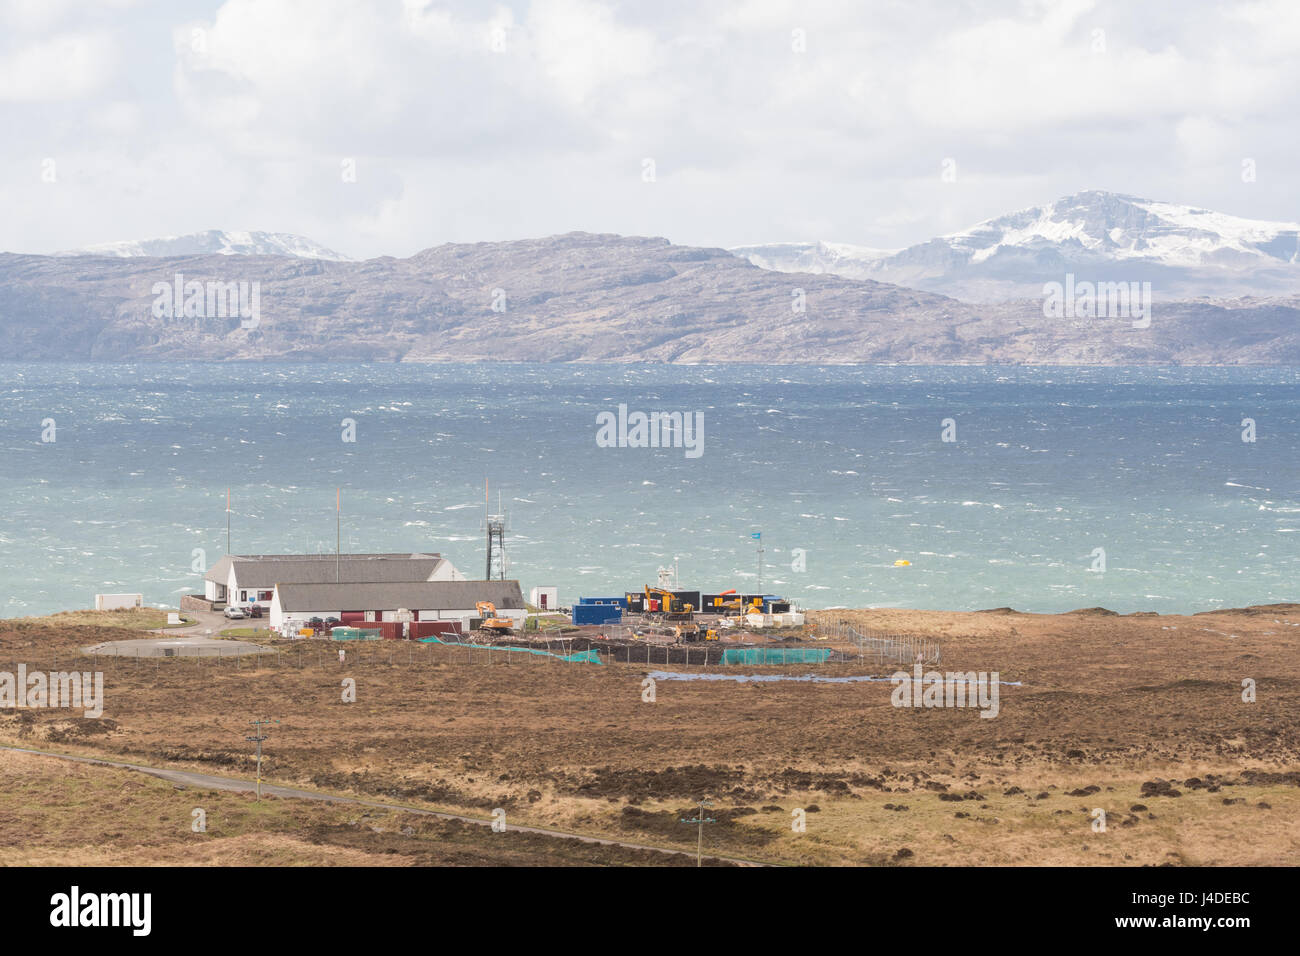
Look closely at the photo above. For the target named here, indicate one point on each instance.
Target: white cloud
(67, 66)
(582, 49)
(472, 121)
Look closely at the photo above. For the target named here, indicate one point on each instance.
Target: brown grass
(1108, 702)
(135, 619)
(58, 813)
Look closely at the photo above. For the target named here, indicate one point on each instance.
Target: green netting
(354, 634)
(775, 655)
(578, 657)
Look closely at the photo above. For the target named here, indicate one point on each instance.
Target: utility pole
(758, 536)
(259, 738)
(699, 820)
(227, 520)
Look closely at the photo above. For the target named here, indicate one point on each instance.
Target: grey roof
(219, 572)
(268, 570)
(417, 595)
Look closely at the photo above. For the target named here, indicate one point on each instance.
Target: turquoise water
(843, 463)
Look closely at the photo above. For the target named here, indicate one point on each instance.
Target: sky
(382, 127)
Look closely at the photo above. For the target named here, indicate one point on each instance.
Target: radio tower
(496, 537)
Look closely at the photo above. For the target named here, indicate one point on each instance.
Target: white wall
(552, 597)
(233, 590)
(446, 571)
(463, 615)
(277, 613)
(114, 602)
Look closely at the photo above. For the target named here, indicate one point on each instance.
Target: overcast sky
(483, 121)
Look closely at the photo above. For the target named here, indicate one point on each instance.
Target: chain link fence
(883, 649)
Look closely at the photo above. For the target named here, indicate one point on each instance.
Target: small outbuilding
(546, 598)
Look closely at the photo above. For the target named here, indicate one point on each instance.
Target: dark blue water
(844, 463)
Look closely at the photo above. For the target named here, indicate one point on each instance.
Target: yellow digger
(669, 603)
(678, 615)
(488, 612)
(737, 608)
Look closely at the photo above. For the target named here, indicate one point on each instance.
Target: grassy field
(1139, 716)
(245, 632)
(136, 619)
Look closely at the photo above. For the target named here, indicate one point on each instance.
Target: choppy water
(844, 463)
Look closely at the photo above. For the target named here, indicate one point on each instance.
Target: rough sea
(1064, 488)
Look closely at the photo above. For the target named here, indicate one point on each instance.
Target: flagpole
(338, 530)
(227, 520)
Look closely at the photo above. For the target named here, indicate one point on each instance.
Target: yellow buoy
(902, 563)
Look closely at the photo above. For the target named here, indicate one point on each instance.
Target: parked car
(235, 613)
(253, 610)
(332, 622)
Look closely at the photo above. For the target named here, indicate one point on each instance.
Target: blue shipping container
(597, 613)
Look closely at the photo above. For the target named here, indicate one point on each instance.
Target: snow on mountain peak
(213, 242)
(1117, 226)
(1186, 250)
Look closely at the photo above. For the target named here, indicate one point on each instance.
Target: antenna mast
(496, 536)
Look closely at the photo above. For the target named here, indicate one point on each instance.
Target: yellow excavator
(669, 603)
(693, 632)
(488, 612)
(677, 614)
(736, 609)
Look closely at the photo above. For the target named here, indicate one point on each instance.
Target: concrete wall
(195, 602)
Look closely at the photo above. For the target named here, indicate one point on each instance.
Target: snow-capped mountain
(1182, 250)
(213, 242)
(833, 258)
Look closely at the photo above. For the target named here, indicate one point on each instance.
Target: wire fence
(882, 648)
(317, 653)
(839, 643)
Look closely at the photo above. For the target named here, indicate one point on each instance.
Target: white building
(293, 605)
(116, 602)
(546, 598)
(245, 579)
